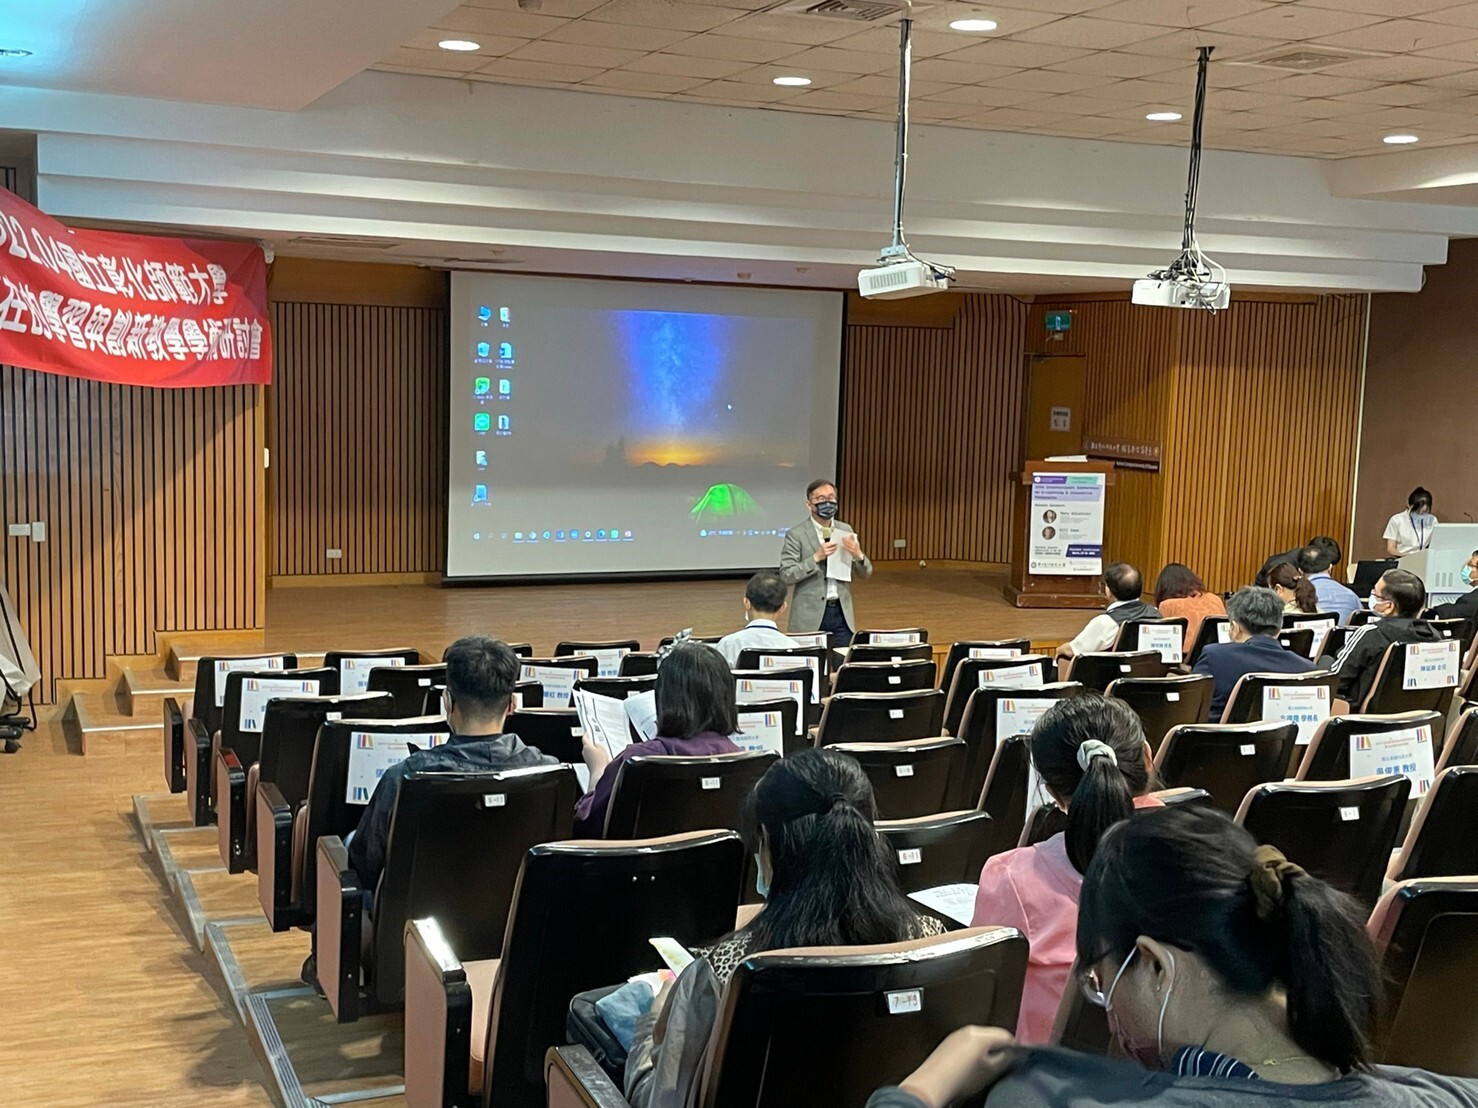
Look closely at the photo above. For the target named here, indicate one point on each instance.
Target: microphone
(1470, 516)
(826, 532)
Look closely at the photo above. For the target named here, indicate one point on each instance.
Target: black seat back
(685, 887)
(1162, 703)
(354, 665)
(884, 677)
(796, 683)
(1321, 624)
(830, 1025)
(948, 849)
(1340, 831)
(663, 794)
(1461, 748)
(758, 716)
(1095, 671)
(1327, 757)
(637, 664)
(1004, 794)
(1388, 693)
(881, 717)
(980, 648)
(1213, 630)
(456, 843)
(330, 808)
(910, 652)
(991, 717)
(1249, 697)
(408, 684)
(607, 654)
(815, 658)
(209, 698)
(913, 777)
(1297, 640)
(898, 636)
(1441, 842)
(290, 732)
(1226, 759)
(618, 688)
(1138, 634)
(555, 731)
(983, 673)
(248, 692)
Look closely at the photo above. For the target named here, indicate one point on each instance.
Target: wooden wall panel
(359, 407)
(930, 432)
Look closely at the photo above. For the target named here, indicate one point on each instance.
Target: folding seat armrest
(275, 857)
(340, 920)
(574, 1079)
(231, 809)
(174, 746)
(438, 1020)
(197, 771)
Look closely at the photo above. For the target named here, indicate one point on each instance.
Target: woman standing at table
(1411, 530)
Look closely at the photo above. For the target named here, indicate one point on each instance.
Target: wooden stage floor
(104, 995)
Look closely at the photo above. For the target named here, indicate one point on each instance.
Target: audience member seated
(1122, 586)
(1315, 562)
(828, 879)
(1179, 592)
(1290, 557)
(1466, 606)
(1254, 618)
(1295, 590)
(696, 714)
(1230, 972)
(765, 601)
(1091, 755)
(1398, 598)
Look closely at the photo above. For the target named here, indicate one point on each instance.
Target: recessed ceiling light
(1399, 140)
(1163, 117)
(462, 44)
(9, 52)
(972, 25)
(796, 82)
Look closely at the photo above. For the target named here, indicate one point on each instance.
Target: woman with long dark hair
(1091, 755)
(1179, 592)
(828, 879)
(1293, 588)
(1235, 976)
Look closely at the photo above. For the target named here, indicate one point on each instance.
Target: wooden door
(1056, 386)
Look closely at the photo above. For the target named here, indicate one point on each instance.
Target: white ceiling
(1076, 68)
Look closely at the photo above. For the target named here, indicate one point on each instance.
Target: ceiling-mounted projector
(897, 280)
(1181, 293)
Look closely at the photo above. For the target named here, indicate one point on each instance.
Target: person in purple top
(696, 715)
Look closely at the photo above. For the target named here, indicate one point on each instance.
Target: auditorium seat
(665, 794)
(408, 684)
(354, 665)
(1162, 703)
(980, 648)
(816, 658)
(241, 728)
(1095, 671)
(809, 704)
(668, 640)
(1298, 640)
(174, 745)
(1426, 937)
(1249, 695)
(189, 763)
(1467, 689)
(1213, 630)
(607, 655)
(828, 1025)
(1441, 842)
(880, 717)
(946, 849)
(898, 636)
(287, 861)
(1340, 831)
(1327, 757)
(617, 687)
(914, 777)
(1320, 623)
(1132, 631)
(555, 731)
(793, 737)
(989, 713)
(1081, 1025)
(456, 843)
(969, 675)
(1461, 747)
(637, 664)
(582, 664)
(1387, 695)
(1334, 644)
(1226, 759)
(1363, 616)
(284, 758)
(583, 913)
(1042, 822)
(883, 677)
(1456, 628)
(909, 652)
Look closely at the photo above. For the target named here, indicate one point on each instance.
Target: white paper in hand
(839, 565)
(604, 721)
(956, 902)
(641, 710)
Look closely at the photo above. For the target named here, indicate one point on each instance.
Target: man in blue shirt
(1255, 617)
(1315, 560)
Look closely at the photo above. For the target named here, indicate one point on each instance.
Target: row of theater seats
(462, 921)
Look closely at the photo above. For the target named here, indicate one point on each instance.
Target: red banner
(130, 309)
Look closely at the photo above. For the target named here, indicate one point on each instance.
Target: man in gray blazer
(820, 603)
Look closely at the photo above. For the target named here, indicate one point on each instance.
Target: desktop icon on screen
(518, 536)
(481, 386)
(505, 387)
(484, 314)
(504, 424)
(505, 351)
(559, 536)
(600, 535)
(481, 421)
(479, 494)
(503, 317)
(484, 350)
(546, 534)
(482, 459)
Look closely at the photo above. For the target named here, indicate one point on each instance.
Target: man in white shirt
(764, 603)
(1123, 588)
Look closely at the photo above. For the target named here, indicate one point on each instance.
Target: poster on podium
(1065, 525)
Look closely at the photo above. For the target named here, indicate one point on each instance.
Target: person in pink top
(1092, 757)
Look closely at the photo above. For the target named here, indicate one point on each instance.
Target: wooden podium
(1040, 590)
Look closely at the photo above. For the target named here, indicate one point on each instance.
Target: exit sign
(1059, 321)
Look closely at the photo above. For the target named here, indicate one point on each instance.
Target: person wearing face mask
(828, 879)
(1091, 755)
(1464, 607)
(764, 604)
(1398, 598)
(821, 602)
(1231, 975)
(1411, 530)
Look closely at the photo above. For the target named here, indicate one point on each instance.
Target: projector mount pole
(898, 249)
(1193, 173)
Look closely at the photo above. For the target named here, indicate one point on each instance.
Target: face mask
(761, 886)
(1467, 575)
(827, 509)
(1148, 1054)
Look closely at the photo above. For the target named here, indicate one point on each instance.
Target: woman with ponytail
(1224, 968)
(1294, 589)
(1094, 763)
(828, 880)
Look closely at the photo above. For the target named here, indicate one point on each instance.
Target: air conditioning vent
(1304, 59)
(856, 11)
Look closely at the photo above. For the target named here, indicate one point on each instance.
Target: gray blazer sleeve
(794, 565)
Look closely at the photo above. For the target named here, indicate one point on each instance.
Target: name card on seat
(558, 682)
(1305, 705)
(256, 691)
(1164, 637)
(760, 731)
(790, 661)
(995, 652)
(746, 692)
(1432, 665)
(371, 753)
(1407, 753)
(225, 666)
(354, 672)
(1011, 677)
(893, 638)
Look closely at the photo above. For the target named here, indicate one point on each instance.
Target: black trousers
(834, 623)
